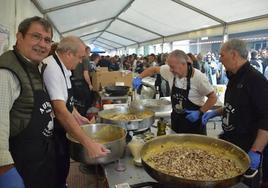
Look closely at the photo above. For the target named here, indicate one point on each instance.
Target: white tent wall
(252, 25)
(128, 24)
(246, 26)
(12, 12)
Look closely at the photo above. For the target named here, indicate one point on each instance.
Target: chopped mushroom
(194, 164)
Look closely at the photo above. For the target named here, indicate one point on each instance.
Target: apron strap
(59, 63)
(189, 74)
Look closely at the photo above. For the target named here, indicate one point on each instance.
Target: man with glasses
(27, 151)
(70, 51)
(188, 88)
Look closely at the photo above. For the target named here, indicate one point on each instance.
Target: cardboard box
(105, 78)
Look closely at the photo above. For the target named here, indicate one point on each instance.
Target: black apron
(33, 150)
(180, 102)
(62, 143)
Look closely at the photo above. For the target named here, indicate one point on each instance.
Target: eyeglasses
(38, 37)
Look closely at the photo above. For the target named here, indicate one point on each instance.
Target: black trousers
(83, 96)
(62, 158)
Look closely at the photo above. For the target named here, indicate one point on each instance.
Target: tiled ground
(81, 177)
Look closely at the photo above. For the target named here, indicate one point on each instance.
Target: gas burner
(140, 133)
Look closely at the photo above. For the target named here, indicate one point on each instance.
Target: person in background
(27, 150)
(152, 60)
(213, 69)
(264, 59)
(94, 60)
(204, 67)
(160, 82)
(245, 111)
(255, 62)
(139, 66)
(81, 85)
(91, 67)
(222, 78)
(104, 61)
(86, 65)
(53, 48)
(194, 60)
(189, 87)
(86, 97)
(113, 66)
(70, 52)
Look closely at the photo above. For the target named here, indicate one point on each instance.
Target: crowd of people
(208, 63)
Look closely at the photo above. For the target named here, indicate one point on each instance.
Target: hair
(69, 43)
(153, 55)
(199, 57)
(25, 25)
(179, 54)
(94, 56)
(53, 48)
(254, 54)
(238, 46)
(193, 58)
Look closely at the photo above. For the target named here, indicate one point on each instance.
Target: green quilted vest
(20, 114)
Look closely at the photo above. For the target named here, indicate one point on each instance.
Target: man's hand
(136, 82)
(255, 159)
(208, 115)
(92, 120)
(96, 150)
(81, 120)
(192, 115)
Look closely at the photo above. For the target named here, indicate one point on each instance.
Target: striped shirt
(9, 92)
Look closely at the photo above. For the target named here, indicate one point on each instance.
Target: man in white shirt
(189, 87)
(70, 52)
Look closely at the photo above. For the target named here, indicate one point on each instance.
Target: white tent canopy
(115, 24)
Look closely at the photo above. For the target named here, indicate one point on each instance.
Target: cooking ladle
(135, 105)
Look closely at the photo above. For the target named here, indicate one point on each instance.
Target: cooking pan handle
(144, 184)
(250, 173)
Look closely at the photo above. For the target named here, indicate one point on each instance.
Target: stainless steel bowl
(157, 105)
(111, 136)
(138, 124)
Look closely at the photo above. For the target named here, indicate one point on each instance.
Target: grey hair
(25, 25)
(238, 46)
(179, 54)
(69, 43)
